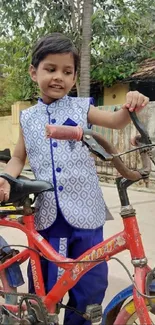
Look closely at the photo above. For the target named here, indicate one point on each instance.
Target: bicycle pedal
(94, 312)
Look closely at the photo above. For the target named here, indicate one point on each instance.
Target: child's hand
(4, 189)
(135, 101)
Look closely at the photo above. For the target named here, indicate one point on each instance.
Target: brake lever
(95, 148)
(145, 138)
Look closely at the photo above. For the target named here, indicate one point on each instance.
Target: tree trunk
(86, 49)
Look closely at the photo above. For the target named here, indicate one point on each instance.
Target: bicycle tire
(128, 314)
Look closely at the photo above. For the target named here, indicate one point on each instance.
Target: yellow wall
(9, 126)
(5, 132)
(116, 94)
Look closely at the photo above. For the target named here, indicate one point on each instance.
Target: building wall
(9, 126)
(5, 132)
(116, 94)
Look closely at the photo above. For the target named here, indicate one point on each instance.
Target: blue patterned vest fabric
(66, 164)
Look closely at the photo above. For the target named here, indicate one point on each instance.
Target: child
(72, 218)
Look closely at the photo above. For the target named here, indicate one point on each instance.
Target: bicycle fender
(114, 306)
(13, 272)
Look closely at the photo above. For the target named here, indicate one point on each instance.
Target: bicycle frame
(129, 239)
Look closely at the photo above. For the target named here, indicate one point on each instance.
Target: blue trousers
(72, 242)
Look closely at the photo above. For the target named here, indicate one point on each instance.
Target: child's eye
(68, 72)
(50, 69)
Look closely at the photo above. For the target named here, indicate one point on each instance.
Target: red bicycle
(131, 306)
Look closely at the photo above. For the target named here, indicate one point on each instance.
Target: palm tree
(86, 49)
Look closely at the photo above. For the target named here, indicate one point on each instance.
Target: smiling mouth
(56, 87)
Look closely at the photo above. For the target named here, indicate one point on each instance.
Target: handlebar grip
(62, 132)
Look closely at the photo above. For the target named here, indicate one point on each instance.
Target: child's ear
(32, 72)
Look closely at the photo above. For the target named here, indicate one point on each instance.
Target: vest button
(58, 169)
(60, 188)
(53, 120)
(55, 144)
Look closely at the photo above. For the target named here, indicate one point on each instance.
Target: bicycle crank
(31, 311)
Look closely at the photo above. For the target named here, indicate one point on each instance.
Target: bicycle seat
(5, 155)
(23, 186)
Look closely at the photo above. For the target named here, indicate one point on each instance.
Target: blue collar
(55, 105)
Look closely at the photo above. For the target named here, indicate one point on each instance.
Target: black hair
(53, 44)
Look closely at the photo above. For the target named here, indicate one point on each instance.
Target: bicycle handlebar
(118, 163)
(140, 128)
(103, 148)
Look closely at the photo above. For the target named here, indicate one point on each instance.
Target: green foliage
(15, 60)
(128, 38)
(123, 35)
(21, 24)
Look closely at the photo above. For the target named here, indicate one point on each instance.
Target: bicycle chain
(30, 296)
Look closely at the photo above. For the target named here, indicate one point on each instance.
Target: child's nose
(58, 76)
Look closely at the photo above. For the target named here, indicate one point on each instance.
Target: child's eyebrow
(50, 64)
(69, 67)
(54, 65)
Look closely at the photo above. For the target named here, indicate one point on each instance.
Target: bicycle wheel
(128, 314)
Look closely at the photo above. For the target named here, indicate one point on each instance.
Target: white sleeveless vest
(66, 164)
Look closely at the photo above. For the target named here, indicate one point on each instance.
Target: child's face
(55, 76)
